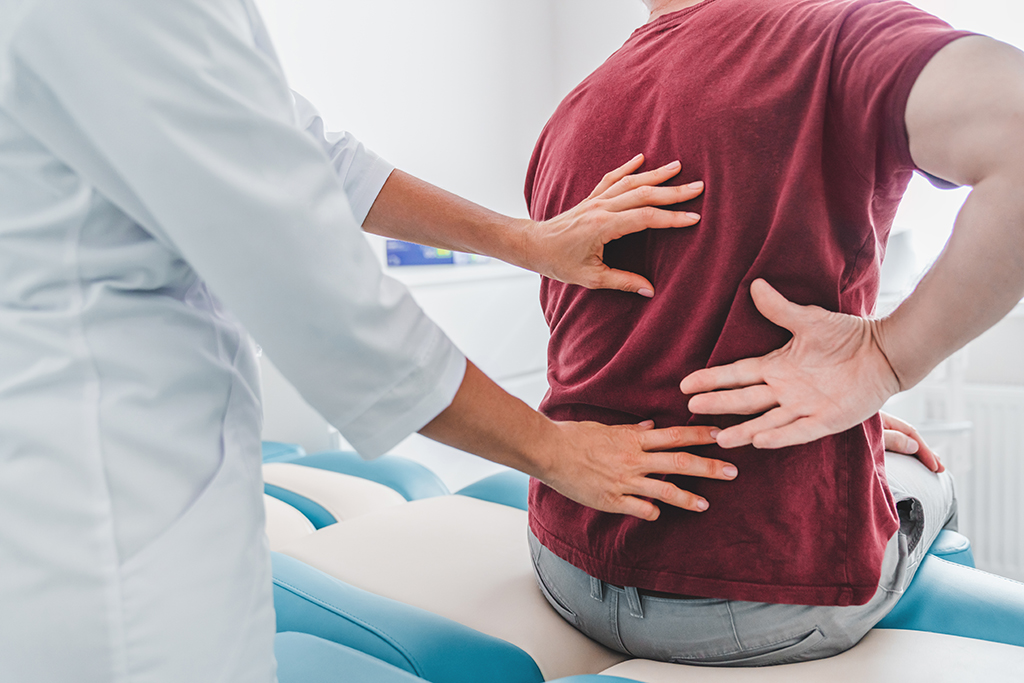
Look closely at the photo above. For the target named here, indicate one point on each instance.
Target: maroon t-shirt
(792, 112)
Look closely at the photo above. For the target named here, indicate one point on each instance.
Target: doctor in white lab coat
(163, 196)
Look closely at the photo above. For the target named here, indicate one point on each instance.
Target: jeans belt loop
(633, 600)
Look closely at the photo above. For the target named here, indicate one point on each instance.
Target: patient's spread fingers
(743, 434)
(796, 432)
(745, 401)
(742, 373)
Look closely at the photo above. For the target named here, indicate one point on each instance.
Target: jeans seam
(613, 618)
(732, 624)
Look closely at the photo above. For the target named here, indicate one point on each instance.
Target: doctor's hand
(606, 468)
(596, 465)
(832, 375)
(570, 246)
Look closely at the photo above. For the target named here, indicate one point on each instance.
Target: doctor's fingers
(687, 464)
(619, 223)
(674, 437)
(742, 373)
(667, 492)
(610, 278)
(612, 177)
(629, 182)
(647, 195)
(745, 401)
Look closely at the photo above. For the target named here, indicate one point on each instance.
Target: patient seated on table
(792, 112)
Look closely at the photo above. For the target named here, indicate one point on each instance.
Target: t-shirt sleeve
(173, 114)
(880, 50)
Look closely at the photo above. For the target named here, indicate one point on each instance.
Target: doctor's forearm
(410, 209)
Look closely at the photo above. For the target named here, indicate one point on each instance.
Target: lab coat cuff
(385, 424)
(372, 177)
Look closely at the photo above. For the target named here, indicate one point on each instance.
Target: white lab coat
(158, 191)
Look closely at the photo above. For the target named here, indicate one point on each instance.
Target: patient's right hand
(901, 437)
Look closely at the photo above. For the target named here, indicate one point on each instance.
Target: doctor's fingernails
(645, 292)
(730, 471)
(696, 185)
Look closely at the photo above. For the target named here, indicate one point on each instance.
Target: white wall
(455, 92)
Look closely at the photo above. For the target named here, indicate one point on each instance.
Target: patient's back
(791, 111)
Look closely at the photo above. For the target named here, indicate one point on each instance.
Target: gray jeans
(716, 632)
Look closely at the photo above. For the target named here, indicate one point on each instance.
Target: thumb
(624, 281)
(774, 306)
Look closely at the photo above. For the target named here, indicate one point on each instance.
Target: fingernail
(715, 432)
(730, 471)
(696, 185)
(702, 505)
(693, 216)
(645, 292)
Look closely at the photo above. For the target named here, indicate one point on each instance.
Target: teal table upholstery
(278, 451)
(958, 600)
(411, 479)
(509, 488)
(413, 640)
(302, 658)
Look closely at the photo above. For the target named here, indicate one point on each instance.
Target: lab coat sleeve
(174, 114)
(362, 172)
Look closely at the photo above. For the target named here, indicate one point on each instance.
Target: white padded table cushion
(884, 656)
(284, 523)
(461, 558)
(343, 495)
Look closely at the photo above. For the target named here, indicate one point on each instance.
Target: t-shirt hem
(840, 595)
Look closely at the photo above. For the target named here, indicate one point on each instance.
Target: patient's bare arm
(965, 119)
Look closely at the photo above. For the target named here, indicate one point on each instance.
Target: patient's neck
(660, 7)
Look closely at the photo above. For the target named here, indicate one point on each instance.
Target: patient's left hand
(900, 437)
(570, 246)
(831, 376)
